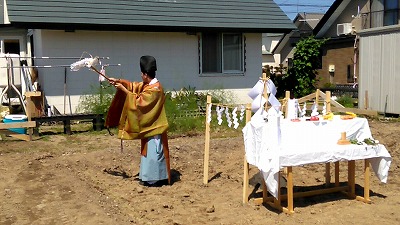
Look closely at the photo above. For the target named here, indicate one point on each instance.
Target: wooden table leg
(352, 178)
(327, 174)
(290, 189)
(337, 181)
(265, 191)
(367, 174)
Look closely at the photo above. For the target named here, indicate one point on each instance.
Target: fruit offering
(328, 116)
(348, 116)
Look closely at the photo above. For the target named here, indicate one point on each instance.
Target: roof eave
(327, 16)
(148, 28)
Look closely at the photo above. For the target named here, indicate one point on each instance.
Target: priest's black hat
(147, 64)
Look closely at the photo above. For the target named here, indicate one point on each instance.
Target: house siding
(176, 54)
(379, 68)
(341, 55)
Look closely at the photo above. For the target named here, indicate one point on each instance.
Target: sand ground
(84, 178)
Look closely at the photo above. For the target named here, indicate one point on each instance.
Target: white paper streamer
(209, 114)
(219, 114)
(228, 117)
(256, 90)
(314, 110)
(257, 103)
(235, 119)
(242, 110)
(274, 102)
(102, 78)
(324, 109)
(303, 111)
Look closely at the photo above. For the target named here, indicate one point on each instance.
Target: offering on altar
(293, 109)
(348, 116)
(328, 116)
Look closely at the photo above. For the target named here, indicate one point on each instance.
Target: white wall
(379, 69)
(176, 54)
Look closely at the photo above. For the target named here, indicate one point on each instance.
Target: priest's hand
(113, 81)
(121, 87)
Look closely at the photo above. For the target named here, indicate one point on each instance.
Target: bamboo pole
(207, 142)
(246, 164)
(287, 98)
(366, 106)
(367, 174)
(328, 101)
(317, 98)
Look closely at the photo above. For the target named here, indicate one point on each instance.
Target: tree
(302, 77)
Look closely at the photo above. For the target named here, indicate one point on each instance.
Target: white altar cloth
(309, 142)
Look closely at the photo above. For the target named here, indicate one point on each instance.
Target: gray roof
(312, 19)
(245, 15)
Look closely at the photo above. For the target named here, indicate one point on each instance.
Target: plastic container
(15, 119)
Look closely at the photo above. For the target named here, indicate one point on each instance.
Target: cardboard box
(34, 104)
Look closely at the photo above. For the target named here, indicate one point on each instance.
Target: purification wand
(89, 63)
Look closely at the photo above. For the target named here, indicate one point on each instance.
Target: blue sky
(292, 7)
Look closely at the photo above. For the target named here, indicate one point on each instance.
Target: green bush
(346, 100)
(98, 100)
(185, 109)
(329, 85)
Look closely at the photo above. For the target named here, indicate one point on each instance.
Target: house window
(391, 13)
(384, 12)
(10, 46)
(222, 53)
(349, 75)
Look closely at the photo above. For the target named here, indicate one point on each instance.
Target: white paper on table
(256, 90)
(271, 87)
(258, 102)
(293, 107)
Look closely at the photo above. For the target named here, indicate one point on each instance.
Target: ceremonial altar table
(278, 144)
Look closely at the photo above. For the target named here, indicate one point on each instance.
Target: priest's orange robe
(140, 115)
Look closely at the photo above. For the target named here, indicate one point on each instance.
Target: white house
(197, 43)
